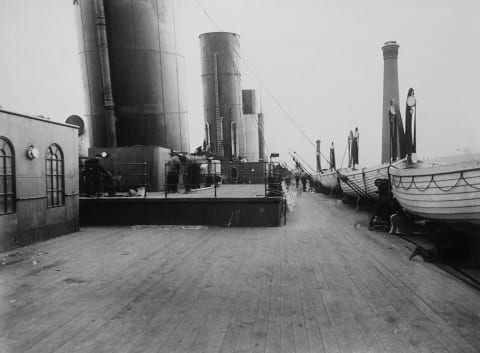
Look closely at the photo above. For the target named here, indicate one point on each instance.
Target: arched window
(55, 176)
(7, 177)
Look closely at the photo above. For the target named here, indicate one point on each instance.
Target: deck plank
(322, 283)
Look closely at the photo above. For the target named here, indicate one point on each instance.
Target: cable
(312, 171)
(259, 80)
(208, 16)
(262, 85)
(228, 45)
(343, 158)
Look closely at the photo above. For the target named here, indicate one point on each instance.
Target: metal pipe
(108, 101)
(145, 180)
(250, 125)
(319, 164)
(261, 137)
(165, 175)
(265, 166)
(215, 181)
(218, 118)
(414, 147)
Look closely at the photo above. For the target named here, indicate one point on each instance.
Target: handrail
(192, 175)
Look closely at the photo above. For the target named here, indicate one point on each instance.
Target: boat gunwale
(405, 191)
(434, 170)
(379, 167)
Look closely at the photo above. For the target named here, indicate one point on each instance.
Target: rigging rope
(304, 162)
(343, 158)
(264, 87)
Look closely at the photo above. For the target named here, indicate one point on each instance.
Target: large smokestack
(146, 73)
(222, 95)
(390, 90)
(250, 122)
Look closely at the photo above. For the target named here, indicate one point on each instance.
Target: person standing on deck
(173, 171)
(304, 181)
(332, 157)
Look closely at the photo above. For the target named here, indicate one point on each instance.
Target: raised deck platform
(227, 205)
(322, 283)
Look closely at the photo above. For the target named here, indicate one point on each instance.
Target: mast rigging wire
(264, 87)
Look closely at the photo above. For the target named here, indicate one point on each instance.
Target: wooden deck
(322, 283)
(223, 191)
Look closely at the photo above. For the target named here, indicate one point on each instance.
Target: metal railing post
(165, 185)
(215, 181)
(145, 179)
(265, 177)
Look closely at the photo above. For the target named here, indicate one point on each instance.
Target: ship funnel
(129, 54)
(222, 95)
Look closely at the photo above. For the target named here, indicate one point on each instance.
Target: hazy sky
(321, 59)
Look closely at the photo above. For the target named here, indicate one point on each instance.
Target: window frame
(55, 176)
(4, 210)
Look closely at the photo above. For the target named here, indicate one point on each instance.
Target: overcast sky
(320, 59)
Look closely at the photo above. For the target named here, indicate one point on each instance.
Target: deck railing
(99, 178)
(194, 176)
